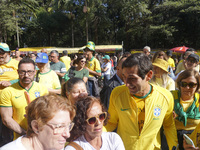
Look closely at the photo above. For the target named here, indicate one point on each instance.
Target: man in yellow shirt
(94, 68)
(13, 99)
(8, 67)
(139, 109)
(66, 60)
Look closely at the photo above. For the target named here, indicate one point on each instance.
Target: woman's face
(158, 72)
(82, 62)
(188, 91)
(161, 56)
(49, 137)
(94, 130)
(78, 90)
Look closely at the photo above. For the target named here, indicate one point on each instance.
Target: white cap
(148, 48)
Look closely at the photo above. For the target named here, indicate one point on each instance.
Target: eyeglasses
(160, 54)
(23, 72)
(185, 84)
(82, 61)
(59, 128)
(93, 120)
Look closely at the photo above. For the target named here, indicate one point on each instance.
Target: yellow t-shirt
(195, 136)
(171, 62)
(66, 60)
(93, 65)
(141, 112)
(14, 97)
(8, 71)
(50, 80)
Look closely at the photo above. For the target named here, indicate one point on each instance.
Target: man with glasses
(8, 67)
(56, 65)
(14, 99)
(139, 109)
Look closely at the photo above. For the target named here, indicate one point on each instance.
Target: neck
(119, 75)
(78, 68)
(185, 98)
(44, 70)
(145, 91)
(26, 86)
(96, 142)
(32, 143)
(90, 57)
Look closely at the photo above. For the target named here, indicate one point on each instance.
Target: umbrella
(180, 49)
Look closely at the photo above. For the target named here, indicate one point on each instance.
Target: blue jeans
(106, 78)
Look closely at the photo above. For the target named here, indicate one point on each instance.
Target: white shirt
(14, 145)
(110, 141)
(106, 65)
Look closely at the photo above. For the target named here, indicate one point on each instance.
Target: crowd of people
(140, 101)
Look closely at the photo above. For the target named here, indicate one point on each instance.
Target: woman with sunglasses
(186, 104)
(49, 123)
(87, 132)
(78, 71)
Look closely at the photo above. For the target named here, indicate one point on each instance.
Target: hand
(5, 84)
(188, 147)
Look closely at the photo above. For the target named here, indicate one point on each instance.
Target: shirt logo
(157, 112)
(37, 94)
(124, 109)
(18, 96)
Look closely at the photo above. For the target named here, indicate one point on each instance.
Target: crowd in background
(149, 99)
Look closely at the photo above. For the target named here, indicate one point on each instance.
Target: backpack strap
(75, 145)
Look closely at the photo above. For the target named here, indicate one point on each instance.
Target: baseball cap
(91, 46)
(169, 53)
(42, 58)
(4, 47)
(194, 56)
(106, 57)
(161, 63)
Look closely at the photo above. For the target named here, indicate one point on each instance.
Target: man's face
(26, 73)
(53, 57)
(88, 53)
(3, 57)
(135, 83)
(145, 51)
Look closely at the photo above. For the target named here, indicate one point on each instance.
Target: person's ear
(149, 75)
(34, 125)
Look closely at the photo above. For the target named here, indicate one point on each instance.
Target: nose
(66, 133)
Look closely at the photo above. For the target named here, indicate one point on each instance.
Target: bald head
(119, 67)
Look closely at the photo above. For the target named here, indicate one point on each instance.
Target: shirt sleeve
(56, 82)
(63, 68)
(97, 66)
(113, 120)
(169, 124)
(5, 98)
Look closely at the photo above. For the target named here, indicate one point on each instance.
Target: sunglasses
(185, 84)
(93, 120)
(82, 61)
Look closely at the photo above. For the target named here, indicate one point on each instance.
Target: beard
(26, 80)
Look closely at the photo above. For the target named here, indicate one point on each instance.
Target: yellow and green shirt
(195, 136)
(123, 112)
(93, 65)
(14, 97)
(8, 71)
(50, 80)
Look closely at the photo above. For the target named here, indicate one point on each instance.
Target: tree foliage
(62, 23)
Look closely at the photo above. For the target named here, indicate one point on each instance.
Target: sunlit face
(135, 83)
(190, 63)
(88, 54)
(82, 62)
(26, 73)
(78, 90)
(94, 130)
(187, 91)
(51, 140)
(3, 57)
(53, 57)
(145, 51)
(158, 72)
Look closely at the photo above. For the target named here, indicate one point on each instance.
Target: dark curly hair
(82, 107)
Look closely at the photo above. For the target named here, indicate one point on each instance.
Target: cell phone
(188, 140)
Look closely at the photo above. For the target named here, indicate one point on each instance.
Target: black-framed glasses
(23, 72)
(60, 128)
(93, 120)
(185, 84)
